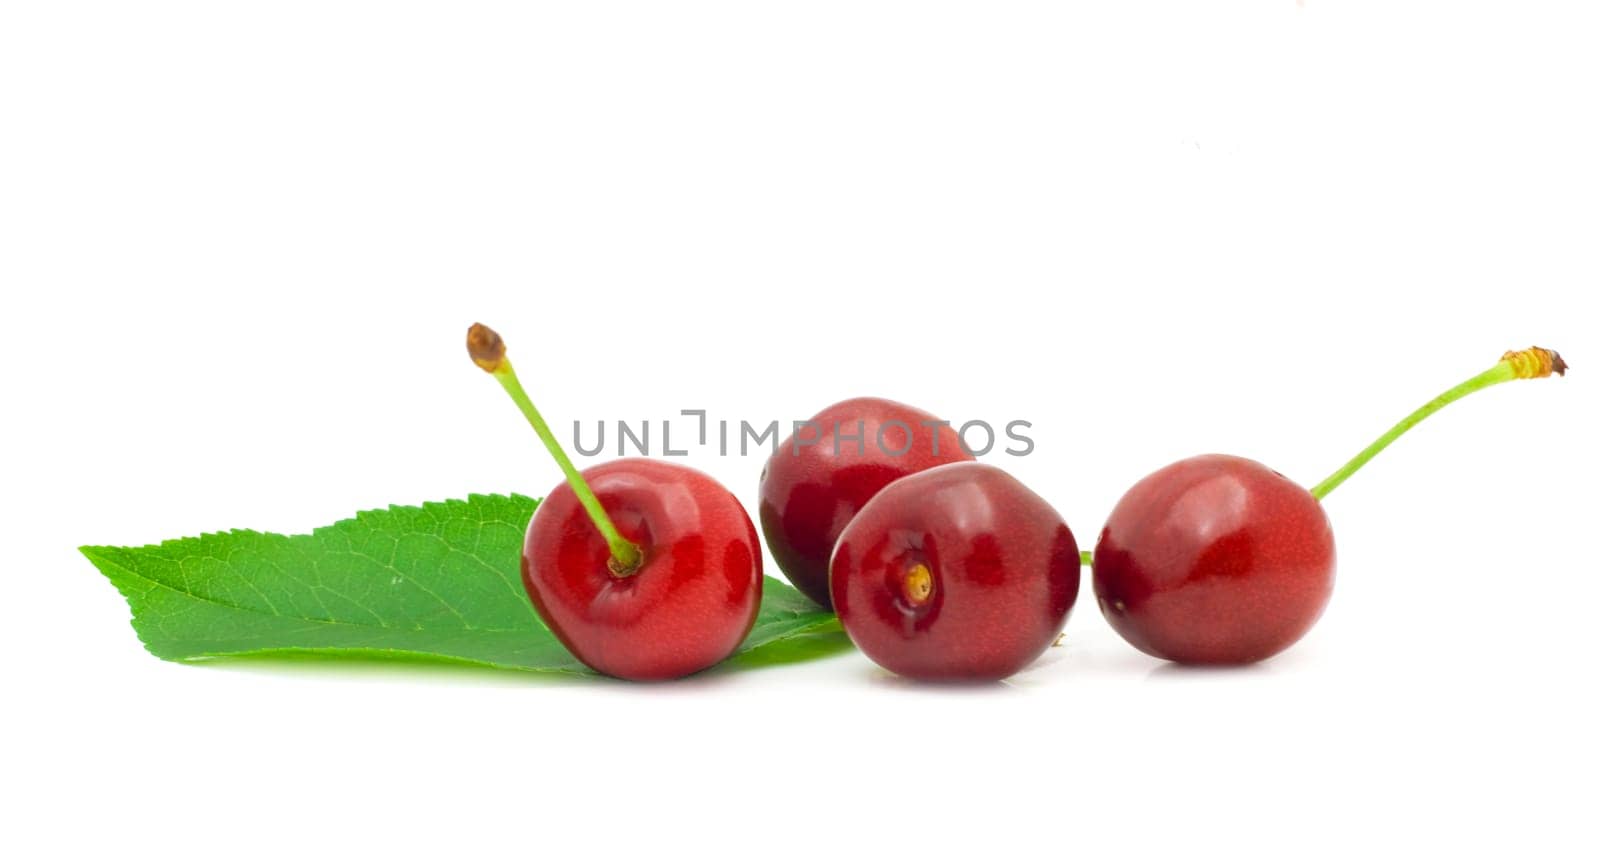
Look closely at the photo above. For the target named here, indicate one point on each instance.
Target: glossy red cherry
(688, 604)
(1220, 560)
(1214, 560)
(645, 570)
(958, 572)
(820, 478)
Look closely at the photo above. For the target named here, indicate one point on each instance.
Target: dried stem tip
(1535, 362)
(488, 351)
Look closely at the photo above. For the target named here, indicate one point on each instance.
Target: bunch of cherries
(939, 567)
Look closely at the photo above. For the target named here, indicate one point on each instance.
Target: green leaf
(440, 581)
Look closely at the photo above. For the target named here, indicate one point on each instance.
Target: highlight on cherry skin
(644, 569)
(1219, 560)
(959, 572)
(824, 473)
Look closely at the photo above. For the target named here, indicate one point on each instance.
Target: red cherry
(645, 570)
(1219, 560)
(958, 572)
(810, 491)
(1214, 560)
(689, 603)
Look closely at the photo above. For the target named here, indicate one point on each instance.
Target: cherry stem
(1534, 363)
(488, 351)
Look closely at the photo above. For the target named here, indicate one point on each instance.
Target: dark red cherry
(957, 572)
(1214, 560)
(689, 603)
(645, 570)
(821, 477)
(1219, 560)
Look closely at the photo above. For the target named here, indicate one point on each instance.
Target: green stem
(1529, 364)
(1086, 558)
(489, 353)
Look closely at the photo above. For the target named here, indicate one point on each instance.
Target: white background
(240, 243)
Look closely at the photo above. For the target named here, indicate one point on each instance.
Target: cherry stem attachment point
(1533, 363)
(488, 351)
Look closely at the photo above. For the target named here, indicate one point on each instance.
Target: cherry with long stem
(1532, 363)
(1219, 560)
(488, 351)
